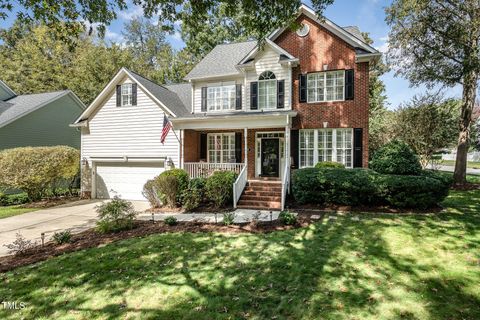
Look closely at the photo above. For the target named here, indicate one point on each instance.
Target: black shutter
(238, 147)
(238, 97)
(349, 86)
(203, 146)
(253, 95)
(357, 147)
(302, 86)
(119, 95)
(280, 94)
(134, 94)
(294, 148)
(204, 99)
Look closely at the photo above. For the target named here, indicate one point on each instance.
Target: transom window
(326, 86)
(221, 98)
(267, 90)
(221, 147)
(126, 94)
(326, 145)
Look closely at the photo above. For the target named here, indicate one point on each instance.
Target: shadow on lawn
(330, 270)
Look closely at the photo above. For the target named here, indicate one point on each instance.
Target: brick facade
(320, 47)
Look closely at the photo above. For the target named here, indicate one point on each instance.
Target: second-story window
(126, 94)
(326, 86)
(267, 91)
(221, 98)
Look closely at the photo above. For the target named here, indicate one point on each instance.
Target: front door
(270, 157)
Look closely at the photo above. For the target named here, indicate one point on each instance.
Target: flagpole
(179, 142)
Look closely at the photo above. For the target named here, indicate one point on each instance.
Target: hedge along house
(40, 119)
(299, 98)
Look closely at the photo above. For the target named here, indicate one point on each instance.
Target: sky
(368, 15)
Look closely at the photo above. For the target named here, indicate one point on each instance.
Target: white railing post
(204, 169)
(239, 185)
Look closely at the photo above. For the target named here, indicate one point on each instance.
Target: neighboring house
(298, 99)
(41, 119)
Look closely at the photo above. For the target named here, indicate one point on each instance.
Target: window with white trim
(126, 94)
(267, 91)
(326, 86)
(221, 98)
(221, 147)
(326, 145)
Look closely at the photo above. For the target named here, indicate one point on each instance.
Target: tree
(437, 43)
(427, 123)
(62, 16)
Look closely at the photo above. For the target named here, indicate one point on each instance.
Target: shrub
(330, 164)
(115, 215)
(36, 169)
(193, 196)
(219, 188)
(150, 192)
(287, 218)
(171, 221)
(62, 237)
(182, 180)
(367, 187)
(20, 246)
(13, 199)
(167, 187)
(228, 218)
(396, 157)
(3, 199)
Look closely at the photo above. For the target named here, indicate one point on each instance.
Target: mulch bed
(90, 238)
(204, 208)
(47, 203)
(312, 208)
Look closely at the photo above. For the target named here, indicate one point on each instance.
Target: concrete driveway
(76, 217)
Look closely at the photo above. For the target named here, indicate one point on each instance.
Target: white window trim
(232, 103)
(128, 94)
(231, 134)
(315, 145)
(324, 73)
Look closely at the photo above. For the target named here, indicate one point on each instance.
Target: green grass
(10, 211)
(470, 164)
(381, 267)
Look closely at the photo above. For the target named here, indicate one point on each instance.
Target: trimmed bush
(37, 169)
(182, 178)
(168, 189)
(367, 187)
(396, 157)
(193, 196)
(14, 199)
(150, 192)
(115, 215)
(330, 164)
(219, 188)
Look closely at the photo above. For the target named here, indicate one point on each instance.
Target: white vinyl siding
(129, 131)
(221, 147)
(326, 86)
(268, 61)
(326, 145)
(221, 98)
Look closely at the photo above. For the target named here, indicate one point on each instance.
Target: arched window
(267, 90)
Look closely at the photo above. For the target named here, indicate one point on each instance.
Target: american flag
(166, 128)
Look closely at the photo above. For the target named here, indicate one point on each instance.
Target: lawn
(10, 211)
(380, 267)
(470, 164)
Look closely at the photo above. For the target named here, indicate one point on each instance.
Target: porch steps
(261, 195)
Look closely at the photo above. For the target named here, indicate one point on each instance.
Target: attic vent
(303, 31)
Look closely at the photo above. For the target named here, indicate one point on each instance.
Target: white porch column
(287, 139)
(245, 145)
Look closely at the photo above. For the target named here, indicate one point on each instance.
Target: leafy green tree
(437, 43)
(428, 123)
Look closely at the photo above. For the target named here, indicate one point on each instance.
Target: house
(40, 119)
(295, 99)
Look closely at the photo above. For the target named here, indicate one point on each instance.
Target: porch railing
(285, 182)
(239, 185)
(205, 169)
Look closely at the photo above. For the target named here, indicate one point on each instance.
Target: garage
(124, 179)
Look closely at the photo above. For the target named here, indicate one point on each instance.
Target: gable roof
(221, 61)
(22, 105)
(355, 31)
(167, 99)
(283, 55)
(183, 91)
(5, 91)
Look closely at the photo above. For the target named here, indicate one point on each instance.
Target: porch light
(84, 161)
(325, 67)
(325, 124)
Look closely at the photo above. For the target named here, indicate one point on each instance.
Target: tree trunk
(468, 102)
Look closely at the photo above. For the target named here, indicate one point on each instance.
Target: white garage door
(124, 180)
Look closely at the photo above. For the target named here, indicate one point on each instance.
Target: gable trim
(272, 45)
(100, 98)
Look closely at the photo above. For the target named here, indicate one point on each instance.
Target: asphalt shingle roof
(19, 106)
(222, 60)
(184, 92)
(168, 97)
